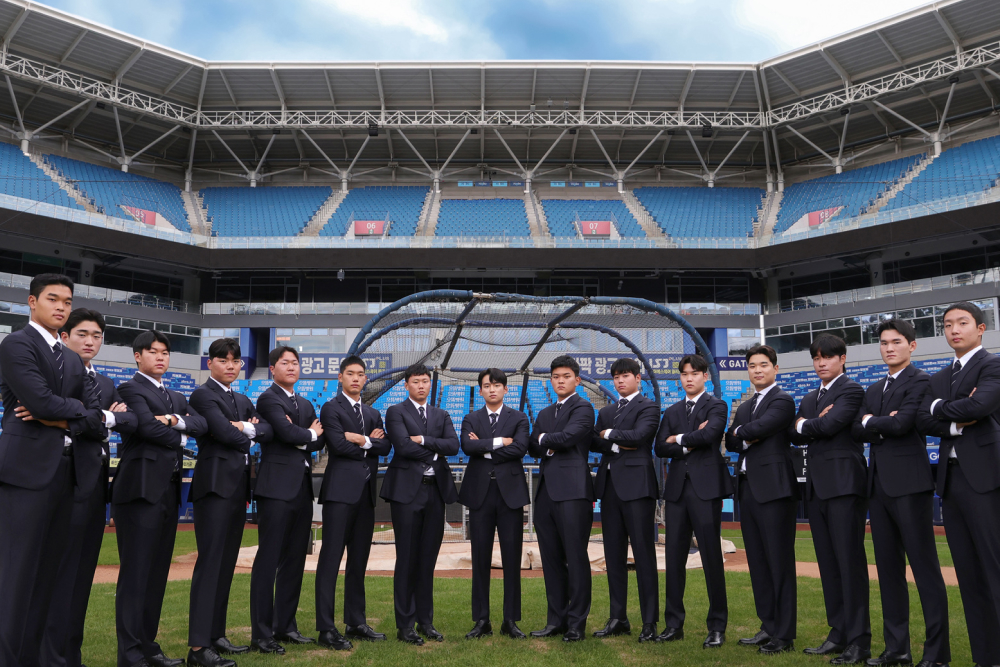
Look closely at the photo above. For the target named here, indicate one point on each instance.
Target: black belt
(493, 474)
(428, 479)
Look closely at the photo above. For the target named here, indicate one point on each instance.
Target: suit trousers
(419, 528)
(491, 518)
(624, 521)
(563, 536)
(346, 526)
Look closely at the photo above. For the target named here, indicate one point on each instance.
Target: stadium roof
(100, 90)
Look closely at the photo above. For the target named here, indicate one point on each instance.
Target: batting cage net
(457, 334)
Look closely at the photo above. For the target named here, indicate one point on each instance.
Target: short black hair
(766, 350)
(353, 360)
(696, 361)
(901, 326)
(43, 280)
(827, 345)
(970, 308)
(565, 361)
(414, 371)
(145, 340)
(277, 353)
(494, 374)
(223, 347)
(80, 315)
(625, 365)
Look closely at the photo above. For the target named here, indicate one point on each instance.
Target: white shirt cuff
(314, 436)
(736, 431)
(955, 429)
(184, 440)
(497, 443)
(249, 430)
(614, 448)
(540, 438)
(549, 452)
(934, 403)
(435, 458)
(180, 425)
(606, 434)
(864, 422)
(421, 439)
(488, 456)
(368, 443)
(109, 419)
(746, 445)
(679, 438)
(685, 450)
(798, 425)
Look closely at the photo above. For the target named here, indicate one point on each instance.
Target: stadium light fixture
(372, 129)
(706, 131)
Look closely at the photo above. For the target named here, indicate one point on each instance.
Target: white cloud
(152, 20)
(408, 14)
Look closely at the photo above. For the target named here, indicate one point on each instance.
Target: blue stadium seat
(964, 170)
(20, 177)
(562, 212)
(402, 203)
(482, 217)
(701, 211)
(263, 211)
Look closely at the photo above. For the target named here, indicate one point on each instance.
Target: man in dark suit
(626, 485)
(837, 500)
(418, 485)
(48, 405)
(564, 502)
(83, 333)
(494, 488)
(901, 491)
(767, 494)
(355, 439)
(284, 495)
(146, 495)
(961, 408)
(690, 436)
(220, 491)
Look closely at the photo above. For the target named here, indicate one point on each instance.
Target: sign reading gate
(600, 229)
(369, 227)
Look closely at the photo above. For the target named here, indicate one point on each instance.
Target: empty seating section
(561, 214)
(271, 211)
(703, 211)
(482, 217)
(111, 189)
(401, 203)
(964, 170)
(20, 177)
(854, 190)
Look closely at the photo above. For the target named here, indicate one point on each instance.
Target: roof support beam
(892, 51)
(524, 172)
(233, 153)
(14, 27)
(641, 153)
(177, 79)
(841, 72)
(127, 65)
(72, 46)
(726, 159)
(153, 143)
(17, 110)
(792, 86)
(325, 156)
(538, 164)
(952, 35)
(121, 139)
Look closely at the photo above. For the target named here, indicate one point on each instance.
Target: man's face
(961, 330)
(225, 369)
(828, 368)
(627, 384)
(286, 370)
(51, 308)
(85, 339)
(353, 379)
(895, 349)
(693, 381)
(564, 381)
(492, 392)
(419, 386)
(155, 361)
(761, 371)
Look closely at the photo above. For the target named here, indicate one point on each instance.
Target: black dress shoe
(613, 628)
(510, 629)
(409, 636)
(852, 655)
(931, 663)
(208, 657)
(223, 646)
(160, 660)
(480, 629)
(648, 633)
(549, 631)
(363, 631)
(714, 640)
(888, 658)
(776, 646)
(333, 639)
(267, 645)
(573, 635)
(826, 648)
(293, 637)
(758, 639)
(670, 635)
(429, 631)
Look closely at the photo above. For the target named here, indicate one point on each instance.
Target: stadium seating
(111, 189)
(964, 170)
(20, 177)
(561, 214)
(263, 211)
(855, 190)
(482, 217)
(701, 211)
(401, 203)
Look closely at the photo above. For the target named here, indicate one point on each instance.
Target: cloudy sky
(333, 30)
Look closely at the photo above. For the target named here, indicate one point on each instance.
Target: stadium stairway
(883, 200)
(323, 215)
(427, 223)
(197, 214)
(769, 213)
(537, 219)
(66, 186)
(642, 216)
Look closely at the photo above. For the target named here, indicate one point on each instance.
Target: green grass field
(452, 617)
(806, 553)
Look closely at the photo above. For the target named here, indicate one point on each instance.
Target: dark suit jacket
(978, 447)
(631, 471)
(566, 473)
(703, 463)
(898, 451)
(90, 453)
(222, 451)
(349, 466)
(282, 463)
(505, 462)
(409, 461)
(836, 463)
(149, 454)
(770, 474)
(30, 451)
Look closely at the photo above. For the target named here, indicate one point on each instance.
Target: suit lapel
(48, 355)
(408, 406)
(966, 372)
(762, 404)
(501, 418)
(901, 379)
(564, 412)
(217, 388)
(141, 381)
(287, 402)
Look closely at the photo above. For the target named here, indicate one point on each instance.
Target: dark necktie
(423, 415)
(822, 393)
(621, 406)
(493, 423)
(295, 408)
(360, 417)
(92, 375)
(58, 352)
(753, 401)
(166, 397)
(955, 370)
(888, 383)
(232, 399)
(688, 407)
(558, 406)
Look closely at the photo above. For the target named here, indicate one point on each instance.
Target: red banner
(369, 227)
(144, 216)
(819, 217)
(596, 227)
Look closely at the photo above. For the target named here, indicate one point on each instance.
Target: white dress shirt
(109, 417)
(955, 430)
(827, 386)
(368, 441)
(179, 425)
(695, 401)
(497, 442)
(894, 376)
(51, 341)
(607, 432)
(291, 394)
(430, 469)
(760, 398)
(550, 452)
